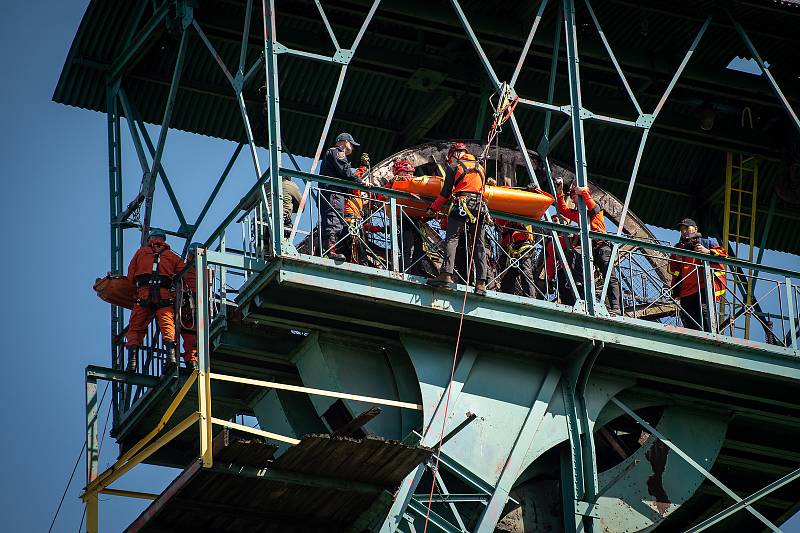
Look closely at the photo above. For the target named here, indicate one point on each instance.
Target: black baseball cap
(687, 222)
(346, 137)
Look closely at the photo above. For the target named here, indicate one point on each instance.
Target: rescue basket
(116, 290)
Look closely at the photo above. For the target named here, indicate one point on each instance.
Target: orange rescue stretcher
(116, 290)
(527, 203)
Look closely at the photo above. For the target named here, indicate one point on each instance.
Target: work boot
(133, 359)
(172, 359)
(333, 254)
(442, 280)
(480, 287)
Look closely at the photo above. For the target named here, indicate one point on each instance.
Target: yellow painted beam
(164, 419)
(319, 392)
(254, 431)
(115, 472)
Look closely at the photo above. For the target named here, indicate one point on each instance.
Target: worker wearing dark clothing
(151, 270)
(464, 181)
(336, 165)
(689, 276)
(517, 242)
(601, 250)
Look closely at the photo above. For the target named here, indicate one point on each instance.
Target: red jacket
(689, 278)
(513, 233)
(596, 218)
(141, 267)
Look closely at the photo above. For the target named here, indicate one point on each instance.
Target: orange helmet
(455, 147)
(403, 167)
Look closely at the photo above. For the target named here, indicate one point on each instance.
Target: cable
(455, 357)
(74, 469)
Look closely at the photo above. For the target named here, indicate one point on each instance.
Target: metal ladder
(741, 194)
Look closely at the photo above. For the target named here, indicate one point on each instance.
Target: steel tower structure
(488, 413)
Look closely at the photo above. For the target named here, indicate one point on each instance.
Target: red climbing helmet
(455, 147)
(403, 167)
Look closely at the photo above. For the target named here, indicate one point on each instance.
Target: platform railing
(379, 239)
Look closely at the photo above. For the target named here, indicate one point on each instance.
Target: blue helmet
(157, 232)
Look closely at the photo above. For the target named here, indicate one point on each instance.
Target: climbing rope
(507, 102)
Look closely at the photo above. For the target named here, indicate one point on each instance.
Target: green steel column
(116, 233)
(580, 501)
(274, 121)
(150, 182)
(576, 109)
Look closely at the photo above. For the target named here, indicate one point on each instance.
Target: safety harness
(154, 283)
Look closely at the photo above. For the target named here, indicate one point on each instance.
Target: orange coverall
(140, 269)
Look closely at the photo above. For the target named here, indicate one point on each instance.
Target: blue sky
(55, 215)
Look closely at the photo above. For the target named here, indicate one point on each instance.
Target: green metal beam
(95, 373)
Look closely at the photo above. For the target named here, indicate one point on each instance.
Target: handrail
(539, 224)
(550, 226)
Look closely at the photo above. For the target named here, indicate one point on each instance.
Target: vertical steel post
(150, 183)
(790, 310)
(578, 144)
(712, 308)
(92, 513)
(92, 448)
(274, 123)
(116, 233)
(394, 227)
(204, 356)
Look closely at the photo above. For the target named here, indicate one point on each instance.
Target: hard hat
(157, 232)
(402, 166)
(455, 147)
(193, 247)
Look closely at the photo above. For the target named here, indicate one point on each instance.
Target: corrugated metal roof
(305, 498)
(382, 108)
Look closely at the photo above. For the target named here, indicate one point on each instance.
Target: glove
(365, 159)
(438, 203)
(430, 213)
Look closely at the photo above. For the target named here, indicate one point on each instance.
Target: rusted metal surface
(302, 498)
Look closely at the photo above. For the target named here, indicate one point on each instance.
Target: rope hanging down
(507, 102)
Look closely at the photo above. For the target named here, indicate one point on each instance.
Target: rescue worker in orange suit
(336, 165)
(152, 270)
(601, 250)
(689, 276)
(356, 219)
(464, 181)
(411, 232)
(188, 311)
(517, 241)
